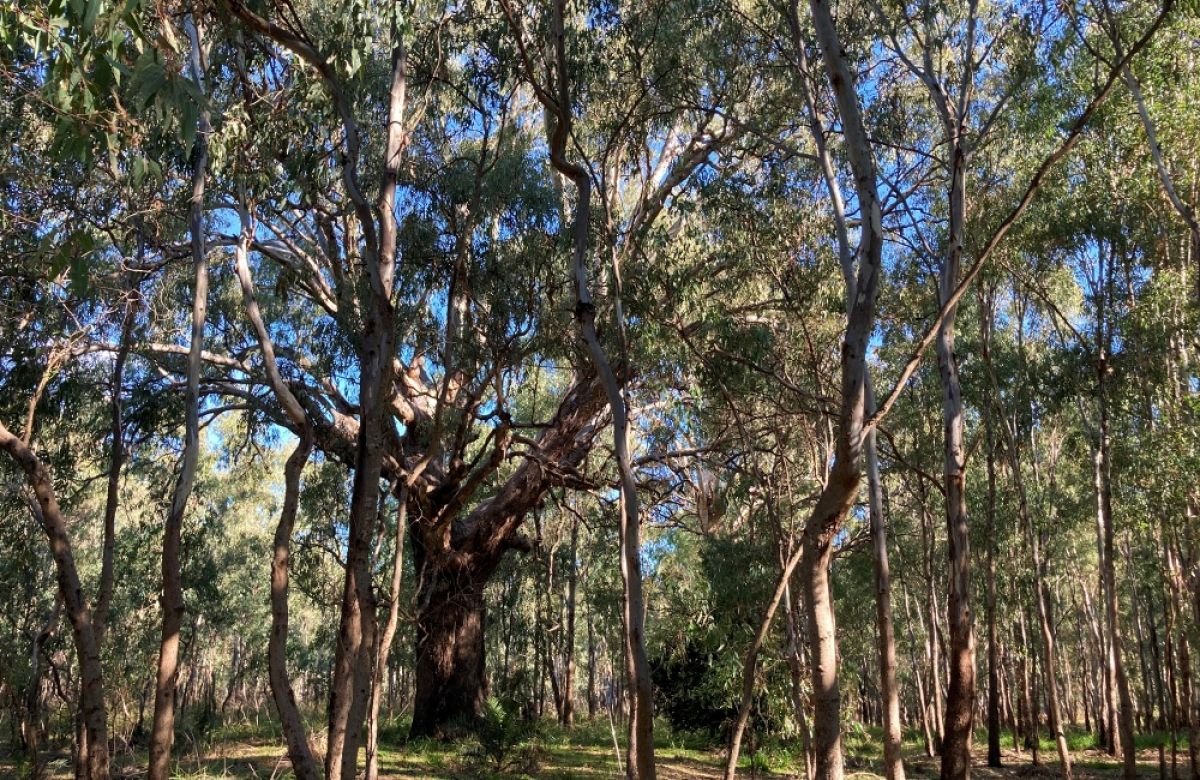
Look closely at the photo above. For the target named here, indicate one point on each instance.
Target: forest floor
(250, 753)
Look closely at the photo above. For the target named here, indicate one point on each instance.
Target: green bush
(502, 738)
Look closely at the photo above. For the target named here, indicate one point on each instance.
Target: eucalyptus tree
(969, 90)
(74, 135)
(473, 306)
(162, 733)
(633, 193)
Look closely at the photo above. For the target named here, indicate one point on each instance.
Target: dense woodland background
(740, 385)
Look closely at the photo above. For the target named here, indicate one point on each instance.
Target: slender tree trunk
(162, 731)
(592, 696)
(1041, 597)
(1052, 694)
(1194, 719)
(112, 496)
(925, 699)
(95, 717)
(31, 726)
(1156, 664)
(932, 636)
(960, 693)
(389, 634)
(568, 708)
(641, 727)
(892, 736)
(751, 660)
(1030, 724)
(796, 667)
(116, 461)
(304, 765)
(993, 661)
(1104, 516)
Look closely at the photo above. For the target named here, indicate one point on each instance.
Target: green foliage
(502, 738)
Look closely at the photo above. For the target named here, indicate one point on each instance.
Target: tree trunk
(960, 693)
(641, 727)
(892, 736)
(91, 689)
(751, 660)
(31, 711)
(841, 488)
(1040, 594)
(162, 731)
(816, 554)
(933, 634)
(796, 667)
(304, 765)
(592, 697)
(389, 634)
(1105, 521)
(451, 673)
(354, 657)
(568, 705)
(924, 699)
(1029, 700)
(1052, 696)
(993, 661)
(1194, 719)
(116, 460)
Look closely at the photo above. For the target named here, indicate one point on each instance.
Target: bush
(502, 737)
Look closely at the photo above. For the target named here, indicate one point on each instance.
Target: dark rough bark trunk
(993, 661)
(451, 673)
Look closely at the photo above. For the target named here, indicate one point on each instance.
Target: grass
(253, 750)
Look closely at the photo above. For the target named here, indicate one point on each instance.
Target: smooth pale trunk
(162, 731)
(960, 693)
(304, 765)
